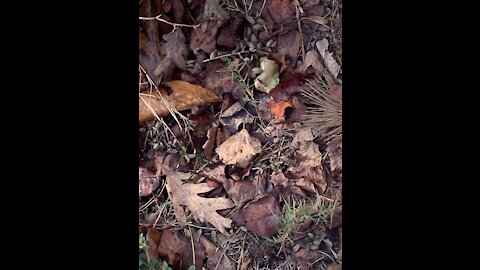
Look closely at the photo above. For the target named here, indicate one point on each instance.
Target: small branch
(175, 25)
(223, 55)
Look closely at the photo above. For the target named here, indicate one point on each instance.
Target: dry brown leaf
(328, 58)
(280, 10)
(184, 96)
(262, 216)
(210, 143)
(173, 54)
(334, 149)
(232, 123)
(202, 209)
(239, 149)
(318, 19)
(148, 182)
(334, 266)
(312, 59)
(175, 249)
(309, 155)
(240, 191)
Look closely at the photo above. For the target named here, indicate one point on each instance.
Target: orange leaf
(278, 109)
(184, 96)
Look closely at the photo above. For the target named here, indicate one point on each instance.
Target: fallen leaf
(184, 96)
(303, 135)
(334, 149)
(312, 59)
(318, 19)
(298, 113)
(148, 182)
(315, 175)
(210, 143)
(240, 192)
(230, 34)
(305, 258)
(308, 155)
(149, 56)
(262, 216)
(232, 123)
(280, 10)
(278, 109)
(215, 171)
(289, 44)
(305, 185)
(330, 62)
(178, 10)
(217, 78)
(279, 179)
(291, 83)
(202, 209)
(153, 240)
(336, 91)
(235, 108)
(221, 261)
(239, 149)
(335, 266)
(173, 51)
(204, 37)
(268, 79)
(175, 249)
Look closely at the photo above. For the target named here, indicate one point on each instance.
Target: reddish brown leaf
(280, 10)
(262, 216)
(315, 175)
(289, 44)
(222, 135)
(219, 79)
(215, 172)
(178, 10)
(149, 56)
(229, 35)
(306, 258)
(299, 111)
(290, 83)
(334, 149)
(336, 91)
(312, 64)
(240, 191)
(204, 40)
(335, 266)
(175, 249)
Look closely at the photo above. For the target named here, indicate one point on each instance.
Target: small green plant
(144, 262)
(296, 212)
(235, 72)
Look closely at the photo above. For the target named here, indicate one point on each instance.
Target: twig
(175, 25)
(223, 55)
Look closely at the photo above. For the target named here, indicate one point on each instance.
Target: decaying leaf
(239, 149)
(305, 258)
(268, 79)
(217, 78)
(262, 216)
(291, 83)
(280, 10)
(210, 143)
(308, 153)
(175, 249)
(184, 96)
(173, 54)
(330, 62)
(232, 123)
(148, 182)
(334, 149)
(202, 209)
(240, 191)
(312, 59)
(335, 266)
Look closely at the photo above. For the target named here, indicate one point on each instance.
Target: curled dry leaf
(268, 79)
(202, 209)
(239, 149)
(262, 216)
(330, 62)
(184, 96)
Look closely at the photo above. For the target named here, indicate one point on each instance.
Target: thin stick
(175, 25)
(223, 55)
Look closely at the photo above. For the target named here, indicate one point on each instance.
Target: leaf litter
(225, 148)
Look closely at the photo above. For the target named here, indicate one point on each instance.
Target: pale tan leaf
(239, 149)
(318, 19)
(202, 209)
(327, 56)
(268, 79)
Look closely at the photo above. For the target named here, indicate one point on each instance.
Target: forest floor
(240, 134)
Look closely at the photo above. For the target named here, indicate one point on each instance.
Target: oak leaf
(202, 209)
